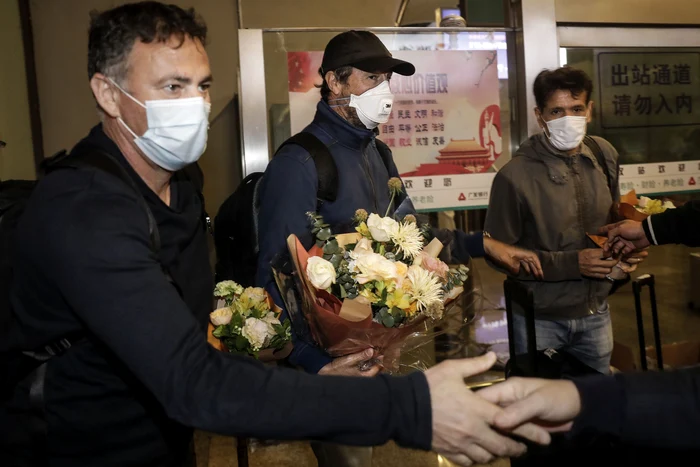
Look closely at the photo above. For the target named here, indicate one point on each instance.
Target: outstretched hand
(463, 422)
(550, 404)
(624, 238)
(513, 257)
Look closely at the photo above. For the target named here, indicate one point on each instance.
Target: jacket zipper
(368, 172)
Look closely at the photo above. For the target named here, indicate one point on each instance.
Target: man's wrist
(488, 243)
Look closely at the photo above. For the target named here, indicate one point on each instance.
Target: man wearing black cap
(355, 99)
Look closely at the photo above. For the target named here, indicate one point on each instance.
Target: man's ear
(106, 94)
(333, 83)
(589, 114)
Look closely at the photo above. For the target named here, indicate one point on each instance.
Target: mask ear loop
(545, 128)
(126, 93)
(346, 104)
(133, 99)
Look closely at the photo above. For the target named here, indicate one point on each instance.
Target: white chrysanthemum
(408, 240)
(424, 287)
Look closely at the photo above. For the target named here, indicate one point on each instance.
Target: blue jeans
(589, 339)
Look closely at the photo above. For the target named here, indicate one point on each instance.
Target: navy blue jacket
(288, 191)
(131, 391)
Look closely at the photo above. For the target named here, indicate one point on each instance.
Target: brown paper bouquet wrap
(634, 208)
(343, 326)
(247, 322)
(628, 207)
(347, 327)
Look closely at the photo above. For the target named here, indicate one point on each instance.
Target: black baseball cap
(362, 50)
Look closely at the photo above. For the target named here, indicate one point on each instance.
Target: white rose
(382, 228)
(363, 247)
(271, 319)
(375, 267)
(643, 201)
(668, 205)
(255, 294)
(320, 272)
(221, 316)
(256, 331)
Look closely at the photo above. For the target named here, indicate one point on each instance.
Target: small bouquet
(636, 209)
(247, 323)
(372, 288)
(640, 208)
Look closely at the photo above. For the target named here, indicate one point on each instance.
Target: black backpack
(236, 223)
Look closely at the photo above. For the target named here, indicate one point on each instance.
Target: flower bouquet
(637, 209)
(640, 208)
(371, 288)
(247, 323)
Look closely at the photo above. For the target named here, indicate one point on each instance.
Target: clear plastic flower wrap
(381, 288)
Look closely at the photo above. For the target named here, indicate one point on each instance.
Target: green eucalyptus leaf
(335, 261)
(324, 234)
(388, 320)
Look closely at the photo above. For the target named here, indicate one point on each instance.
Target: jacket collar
(539, 148)
(339, 129)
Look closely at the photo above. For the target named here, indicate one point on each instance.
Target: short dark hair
(114, 32)
(565, 78)
(342, 73)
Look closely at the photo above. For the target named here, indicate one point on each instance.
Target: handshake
(471, 427)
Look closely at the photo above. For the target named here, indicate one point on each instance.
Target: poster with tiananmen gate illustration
(445, 129)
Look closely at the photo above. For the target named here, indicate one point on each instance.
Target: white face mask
(374, 105)
(177, 130)
(566, 133)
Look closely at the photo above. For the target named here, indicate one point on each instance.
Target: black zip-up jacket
(129, 394)
(657, 410)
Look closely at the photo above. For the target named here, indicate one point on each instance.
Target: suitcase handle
(647, 280)
(514, 291)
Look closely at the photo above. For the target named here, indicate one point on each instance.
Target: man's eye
(204, 87)
(373, 77)
(173, 87)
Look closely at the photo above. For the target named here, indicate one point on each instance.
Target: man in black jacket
(656, 410)
(140, 374)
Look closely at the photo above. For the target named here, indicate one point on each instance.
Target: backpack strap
(595, 148)
(194, 174)
(104, 162)
(325, 165)
(600, 157)
(388, 159)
